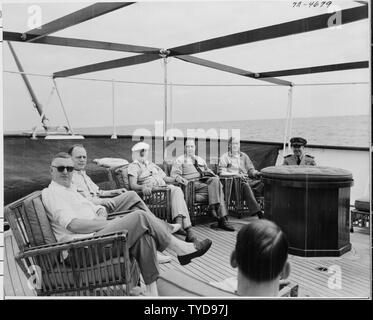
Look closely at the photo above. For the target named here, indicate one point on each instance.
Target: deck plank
(15, 282)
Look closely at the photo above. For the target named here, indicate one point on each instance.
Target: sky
(169, 24)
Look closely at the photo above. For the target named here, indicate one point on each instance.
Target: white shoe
(161, 258)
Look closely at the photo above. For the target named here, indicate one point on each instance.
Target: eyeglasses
(62, 168)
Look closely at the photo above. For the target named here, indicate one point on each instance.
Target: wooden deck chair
(159, 202)
(98, 265)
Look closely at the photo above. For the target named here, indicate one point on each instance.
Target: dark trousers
(211, 190)
(248, 195)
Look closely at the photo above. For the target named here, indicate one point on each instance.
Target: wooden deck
(355, 266)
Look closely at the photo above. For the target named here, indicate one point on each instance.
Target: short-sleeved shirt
(147, 173)
(236, 164)
(184, 167)
(65, 204)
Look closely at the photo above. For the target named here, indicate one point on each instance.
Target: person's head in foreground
(61, 169)
(260, 254)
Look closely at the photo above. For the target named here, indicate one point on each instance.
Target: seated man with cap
(298, 157)
(145, 175)
(113, 200)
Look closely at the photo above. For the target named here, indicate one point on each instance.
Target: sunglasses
(62, 168)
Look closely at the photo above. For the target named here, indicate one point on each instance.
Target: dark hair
(70, 151)
(261, 250)
(61, 155)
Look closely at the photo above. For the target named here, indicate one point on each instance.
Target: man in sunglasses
(73, 216)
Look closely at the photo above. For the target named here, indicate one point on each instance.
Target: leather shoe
(223, 224)
(201, 246)
(181, 232)
(260, 214)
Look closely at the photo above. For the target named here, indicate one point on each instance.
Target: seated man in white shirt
(260, 254)
(72, 216)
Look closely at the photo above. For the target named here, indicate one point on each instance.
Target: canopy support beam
(81, 43)
(222, 67)
(271, 32)
(316, 69)
(118, 63)
(74, 18)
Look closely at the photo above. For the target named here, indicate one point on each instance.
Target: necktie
(197, 167)
(298, 161)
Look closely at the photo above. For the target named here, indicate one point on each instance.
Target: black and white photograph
(186, 150)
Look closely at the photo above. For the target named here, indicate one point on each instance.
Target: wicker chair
(98, 265)
(199, 209)
(159, 202)
(360, 215)
(237, 202)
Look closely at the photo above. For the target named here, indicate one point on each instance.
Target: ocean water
(336, 131)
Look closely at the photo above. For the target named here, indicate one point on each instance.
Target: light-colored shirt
(305, 160)
(84, 184)
(184, 167)
(236, 164)
(65, 204)
(147, 173)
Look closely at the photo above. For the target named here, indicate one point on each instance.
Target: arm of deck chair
(289, 290)
(77, 243)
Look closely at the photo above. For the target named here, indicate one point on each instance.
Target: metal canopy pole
(34, 99)
(114, 136)
(290, 115)
(164, 53)
(63, 108)
(288, 125)
(171, 108)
